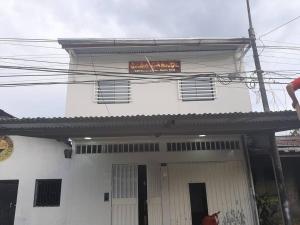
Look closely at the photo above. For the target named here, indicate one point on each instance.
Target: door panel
(124, 195)
(154, 195)
(8, 198)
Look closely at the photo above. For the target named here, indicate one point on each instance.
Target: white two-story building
(155, 138)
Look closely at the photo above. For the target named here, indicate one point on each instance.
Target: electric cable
(278, 27)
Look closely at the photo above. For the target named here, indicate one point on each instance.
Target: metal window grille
(112, 91)
(203, 145)
(197, 89)
(125, 178)
(117, 148)
(47, 192)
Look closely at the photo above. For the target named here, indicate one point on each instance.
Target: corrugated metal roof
(4, 114)
(188, 124)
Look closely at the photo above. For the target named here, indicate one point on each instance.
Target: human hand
(294, 104)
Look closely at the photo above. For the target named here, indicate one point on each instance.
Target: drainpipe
(250, 180)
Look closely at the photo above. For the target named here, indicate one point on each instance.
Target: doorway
(8, 200)
(129, 195)
(198, 201)
(142, 195)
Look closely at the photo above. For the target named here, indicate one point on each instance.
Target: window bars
(197, 89)
(112, 91)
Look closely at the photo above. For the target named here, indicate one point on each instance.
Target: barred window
(197, 89)
(112, 91)
(47, 192)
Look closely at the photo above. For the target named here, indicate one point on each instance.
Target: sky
(52, 19)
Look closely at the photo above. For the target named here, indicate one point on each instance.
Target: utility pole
(276, 162)
(259, 72)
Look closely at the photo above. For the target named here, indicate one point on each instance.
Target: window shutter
(197, 89)
(112, 91)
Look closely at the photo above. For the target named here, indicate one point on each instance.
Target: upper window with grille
(197, 89)
(112, 91)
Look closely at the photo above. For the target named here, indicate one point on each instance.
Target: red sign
(154, 66)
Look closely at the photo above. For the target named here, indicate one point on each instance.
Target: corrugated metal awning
(190, 124)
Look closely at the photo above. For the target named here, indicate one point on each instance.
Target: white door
(154, 195)
(124, 195)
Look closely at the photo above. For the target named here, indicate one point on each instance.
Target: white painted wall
(157, 98)
(86, 177)
(226, 188)
(36, 158)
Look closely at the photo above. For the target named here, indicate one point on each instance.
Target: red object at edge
(211, 219)
(296, 84)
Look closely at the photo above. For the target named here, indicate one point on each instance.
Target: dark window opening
(232, 146)
(136, 147)
(213, 146)
(83, 149)
(142, 195)
(188, 146)
(115, 147)
(89, 149)
(207, 145)
(156, 146)
(152, 147)
(141, 147)
(176, 146)
(110, 148)
(126, 148)
(183, 146)
(193, 146)
(47, 192)
(198, 146)
(130, 147)
(94, 149)
(78, 149)
(198, 202)
(227, 144)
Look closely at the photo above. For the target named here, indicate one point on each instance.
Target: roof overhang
(111, 46)
(155, 125)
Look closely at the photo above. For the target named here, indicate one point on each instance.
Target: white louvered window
(197, 89)
(112, 91)
(219, 145)
(117, 148)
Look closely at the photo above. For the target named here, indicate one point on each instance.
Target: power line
(282, 25)
(27, 45)
(282, 42)
(220, 79)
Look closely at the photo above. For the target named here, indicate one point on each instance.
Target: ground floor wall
(100, 187)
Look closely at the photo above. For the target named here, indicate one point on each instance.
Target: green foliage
(268, 209)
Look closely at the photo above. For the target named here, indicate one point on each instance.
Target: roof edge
(72, 43)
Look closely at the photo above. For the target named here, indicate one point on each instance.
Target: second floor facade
(124, 77)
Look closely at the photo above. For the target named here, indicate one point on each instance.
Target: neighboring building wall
(291, 168)
(157, 98)
(86, 177)
(37, 158)
(265, 185)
